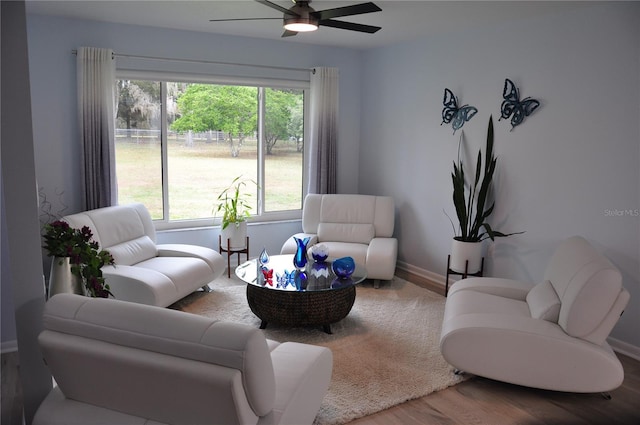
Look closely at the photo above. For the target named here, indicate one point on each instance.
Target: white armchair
(551, 335)
(358, 226)
(123, 363)
(146, 272)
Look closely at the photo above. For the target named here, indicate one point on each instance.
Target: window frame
(260, 215)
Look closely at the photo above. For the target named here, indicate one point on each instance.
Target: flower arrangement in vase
(85, 256)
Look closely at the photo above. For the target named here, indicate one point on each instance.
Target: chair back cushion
(346, 232)
(337, 212)
(588, 287)
(126, 231)
(139, 359)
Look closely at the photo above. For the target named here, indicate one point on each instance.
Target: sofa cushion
(544, 302)
(346, 232)
(180, 270)
(133, 251)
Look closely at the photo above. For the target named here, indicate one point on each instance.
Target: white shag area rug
(385, 352)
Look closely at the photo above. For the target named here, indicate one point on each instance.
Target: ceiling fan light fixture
(300, 18)
(300, 27)
(300, 24)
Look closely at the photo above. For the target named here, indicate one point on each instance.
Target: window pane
(212, 140)
(284, 127)
(138, 148)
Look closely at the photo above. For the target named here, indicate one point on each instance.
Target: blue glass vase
(343, 267)
(300, 257)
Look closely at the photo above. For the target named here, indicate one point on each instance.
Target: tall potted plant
(473, 210)
(233, 204)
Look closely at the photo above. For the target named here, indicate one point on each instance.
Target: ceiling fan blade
(349, 26)
(288, 33)
(276, 7)
(356, 9)
(241, 19)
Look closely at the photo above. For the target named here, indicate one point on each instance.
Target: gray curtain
(96, 106)
(322, 148)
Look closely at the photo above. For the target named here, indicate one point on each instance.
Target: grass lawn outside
(198, 173)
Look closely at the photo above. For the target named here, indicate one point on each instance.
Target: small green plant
(233, 202)
(471, 204)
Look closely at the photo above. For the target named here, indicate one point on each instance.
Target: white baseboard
(624, 348)
(423, 273)
(9, 346)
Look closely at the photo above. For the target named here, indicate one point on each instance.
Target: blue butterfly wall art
(454, 114)
(513, 107)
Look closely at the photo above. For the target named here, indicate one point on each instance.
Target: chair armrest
(382, 255)
(140, 285)
(210, 256)
(303, 373)
(507, 288)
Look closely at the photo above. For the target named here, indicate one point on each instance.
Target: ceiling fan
(303, 18)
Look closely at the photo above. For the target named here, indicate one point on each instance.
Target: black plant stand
(464, 274)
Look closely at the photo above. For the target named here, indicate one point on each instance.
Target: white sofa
(123, 363)
(551, 335)
(358, 226)
(145, 272)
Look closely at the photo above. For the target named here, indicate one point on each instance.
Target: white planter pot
(61, 280)
(237, 236)
(461, 252)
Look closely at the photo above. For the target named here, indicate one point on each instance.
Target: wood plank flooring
(11, 401)
(477, 401)
(480, 401)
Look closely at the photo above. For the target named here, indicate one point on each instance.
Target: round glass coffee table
(278, 293)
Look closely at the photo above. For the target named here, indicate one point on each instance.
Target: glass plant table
(278, 293)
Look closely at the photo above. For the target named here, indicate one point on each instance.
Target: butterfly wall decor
(454, 114)
(513, 107)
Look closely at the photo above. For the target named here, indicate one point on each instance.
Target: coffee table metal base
(301, 308)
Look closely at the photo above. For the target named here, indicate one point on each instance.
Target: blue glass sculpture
(264, 257)
(343, 267)
(300, 257)
(320, 253)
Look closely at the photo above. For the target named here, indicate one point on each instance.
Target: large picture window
(179, 144)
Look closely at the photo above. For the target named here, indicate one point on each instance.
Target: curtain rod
(282, 68)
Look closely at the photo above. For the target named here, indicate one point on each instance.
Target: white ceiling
(400, 20)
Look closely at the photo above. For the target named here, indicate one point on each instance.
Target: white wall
(559, 172)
